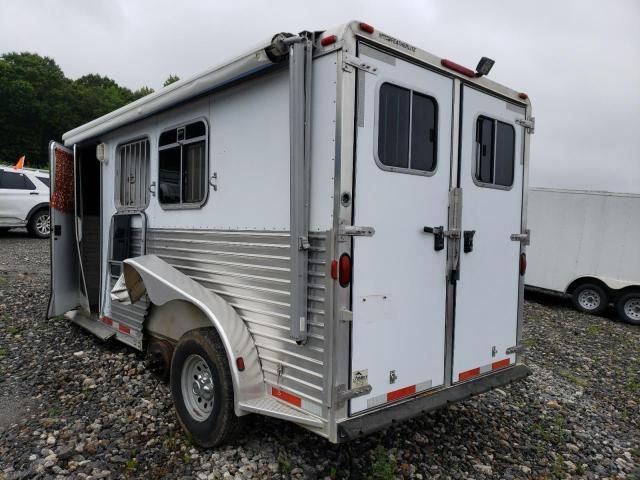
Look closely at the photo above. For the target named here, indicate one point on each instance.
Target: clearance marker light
(345, 270)
(240, 363)
(330, 40)
(365, 27)
(457, 68)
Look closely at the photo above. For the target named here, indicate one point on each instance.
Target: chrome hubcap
(197, 387)
(43, 224)
(589, 299)
(632, 308)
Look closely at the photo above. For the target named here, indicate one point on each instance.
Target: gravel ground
(71, 406)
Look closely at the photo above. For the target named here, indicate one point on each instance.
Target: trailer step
(271, 407)
(99, 329)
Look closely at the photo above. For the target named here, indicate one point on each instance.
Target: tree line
(38, 103)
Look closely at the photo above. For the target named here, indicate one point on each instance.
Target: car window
(15, 181)
(45, 180)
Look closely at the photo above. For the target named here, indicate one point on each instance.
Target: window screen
(407, 122)
(15, 181)
(132, 192)
(495, 152)
(183, 165)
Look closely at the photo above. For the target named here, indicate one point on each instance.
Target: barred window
(132, 175)
(182, 158)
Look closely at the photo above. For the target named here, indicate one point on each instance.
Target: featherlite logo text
(397, 42)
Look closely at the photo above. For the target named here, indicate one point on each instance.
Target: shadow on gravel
(18, 233)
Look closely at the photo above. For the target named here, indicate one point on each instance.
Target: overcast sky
(579, 60)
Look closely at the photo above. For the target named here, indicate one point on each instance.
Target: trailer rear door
(491, 177)
(402, 177)
(66, 283)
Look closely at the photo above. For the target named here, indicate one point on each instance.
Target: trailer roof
(252, 62)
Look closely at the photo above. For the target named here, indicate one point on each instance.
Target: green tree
(171, 79)
(38, 103)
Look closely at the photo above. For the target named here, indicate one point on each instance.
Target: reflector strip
(500, 364)
(287, 397)
(107, 321)
(124, 329)
(474, 372)
(403, 392)
(398, 394)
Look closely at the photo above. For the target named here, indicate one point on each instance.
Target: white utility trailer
(327, 230)
(586, 244)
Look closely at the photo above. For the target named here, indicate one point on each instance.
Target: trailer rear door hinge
(343, 393)
(345, 315)
(355, 231)
(529, 125)
(524, 238)
(515, 349)
(351, 61)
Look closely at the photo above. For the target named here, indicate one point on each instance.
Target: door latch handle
(468, 240)
(438, 237)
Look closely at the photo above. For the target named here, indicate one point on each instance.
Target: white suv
(24, 200)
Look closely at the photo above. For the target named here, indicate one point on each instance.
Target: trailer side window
(183, 165)
(495, 152)
(407, 122)
(132, 175)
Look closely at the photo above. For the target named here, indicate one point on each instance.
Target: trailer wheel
(590, 298)
(202, 388)
(628, 307)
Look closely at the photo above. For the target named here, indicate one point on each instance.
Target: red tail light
(334, 269)
(344, 267)
(523, 263)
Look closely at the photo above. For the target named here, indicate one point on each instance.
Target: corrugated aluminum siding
(251, 270)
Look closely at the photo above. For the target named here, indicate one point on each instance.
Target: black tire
(628, 307)
(219, 425)
(40, 224)
(590, 298)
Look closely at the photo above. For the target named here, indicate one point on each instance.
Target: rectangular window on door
(407, 122)
(495, 152)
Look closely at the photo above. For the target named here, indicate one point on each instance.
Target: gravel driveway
(71, 406)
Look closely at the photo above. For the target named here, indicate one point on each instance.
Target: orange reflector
(287, 397)
(403, 392)
(457, 68)
(365, 27)
(469, 374)
(240, 363)
(107, 321)
(334, 269)
(124, 329)
(331, 39)
(500, 364)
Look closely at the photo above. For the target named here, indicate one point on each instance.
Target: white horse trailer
(585, 244)
(327, 230)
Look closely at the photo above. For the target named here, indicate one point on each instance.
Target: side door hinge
(349, 62)
(524, 238)
(345, 231)
(529, 125)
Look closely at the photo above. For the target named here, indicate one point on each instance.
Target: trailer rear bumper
(380, 419)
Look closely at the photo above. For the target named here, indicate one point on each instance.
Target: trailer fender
(610, 283)
(164, 284)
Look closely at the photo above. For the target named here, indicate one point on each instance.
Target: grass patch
(594, 329)
(581, 382)
(186, 459)
(13, 330)
(132, 465)
(3, 353)
(383, 467)
(284, 465)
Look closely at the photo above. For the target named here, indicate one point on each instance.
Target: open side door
(66, 279)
